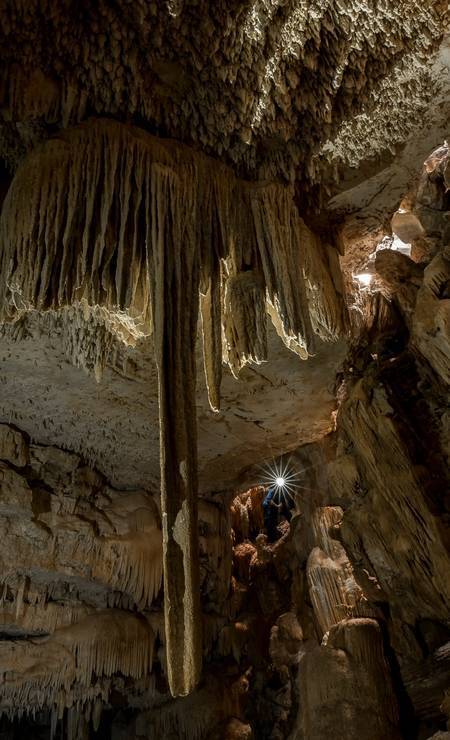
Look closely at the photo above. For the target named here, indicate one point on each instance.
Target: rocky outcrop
(336, 679)
(390, 472)
(239, 80)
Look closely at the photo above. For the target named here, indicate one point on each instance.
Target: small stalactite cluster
(133, 565)
(71, 667)
(81, 219)
(107, 215)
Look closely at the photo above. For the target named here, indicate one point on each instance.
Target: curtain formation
(108, 216)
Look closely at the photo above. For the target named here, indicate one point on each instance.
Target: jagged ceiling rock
(365, 146)
(372, 186)
(263, 83)
(91, 216)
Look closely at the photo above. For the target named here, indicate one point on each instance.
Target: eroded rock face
(340, 677)
(81, 576)
(78, 558)
(395, 523)
(391, 471)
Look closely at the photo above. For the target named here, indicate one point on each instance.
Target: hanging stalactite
(72, 666)
(174, 271)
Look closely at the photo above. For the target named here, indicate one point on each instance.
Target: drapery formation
(107, 215)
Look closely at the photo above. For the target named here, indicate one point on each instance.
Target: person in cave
(273, 511)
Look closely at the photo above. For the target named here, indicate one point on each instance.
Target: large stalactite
(107, 215)
(175, 277)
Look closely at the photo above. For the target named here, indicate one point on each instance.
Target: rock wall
(81, 618)
(390, 473)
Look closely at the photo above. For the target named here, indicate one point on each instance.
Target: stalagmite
(247, 512)
(334, 593)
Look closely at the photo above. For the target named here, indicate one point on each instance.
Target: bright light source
(283, 479)
(365, 278)
(400, 246)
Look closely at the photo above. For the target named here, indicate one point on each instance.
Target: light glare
(365, 278)
(282, 479)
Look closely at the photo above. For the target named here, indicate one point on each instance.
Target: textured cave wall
(82, 623)
(270, 87)
(369, 543)
(78, 559)
(391, 469)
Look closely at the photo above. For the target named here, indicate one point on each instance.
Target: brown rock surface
(336, 680)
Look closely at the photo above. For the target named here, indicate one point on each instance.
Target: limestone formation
(337, 678)
(224, 269)
(227, 78)
(137, 183)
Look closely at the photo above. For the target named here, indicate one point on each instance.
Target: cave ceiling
(114, 423)
(275, 88)
(316, 93)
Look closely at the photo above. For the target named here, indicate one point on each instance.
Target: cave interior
(224, 370)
